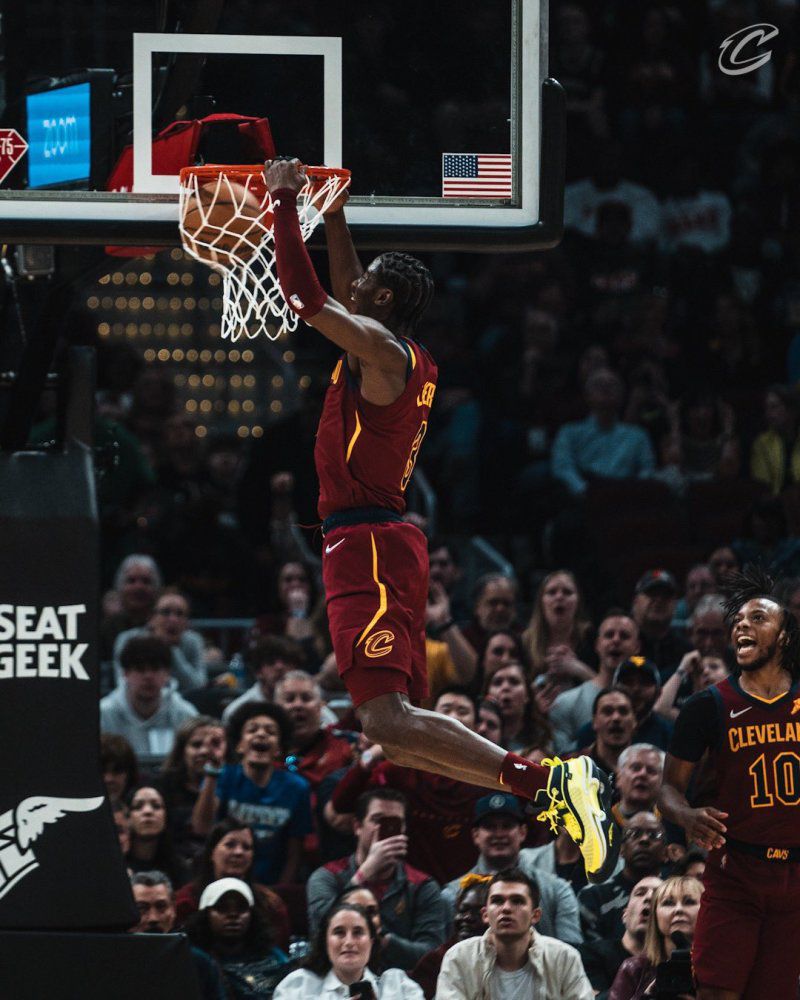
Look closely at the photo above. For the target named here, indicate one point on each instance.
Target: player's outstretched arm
(704, 826)
(344, 264)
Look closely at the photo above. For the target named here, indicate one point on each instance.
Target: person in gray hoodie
(144, 708)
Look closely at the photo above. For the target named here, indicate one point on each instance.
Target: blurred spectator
(118, 766)
(438, 809)
(198, 742)
(153, 401)
(639, 774)
(708, 629)
(501, 648)
(643, 853)
(614, 723)
(766, 541)
(702, 443)
(445, 568)
(170, 623)
(150, 839)
(692, 218)
(601, 446)
(269, 659)
(512, 956)
(494, 608)
(695, 673)
(790, 595)
(298, 613)
(314, 751)
(699, 582)
(499, 831)
(137, 582)
(451, 659)
(275, 803)
(557, 639)
(228, 852)
(606, 183)
(525, 726)
(144, 708)
(155, 900)
(122, 824)
(673, 908)
(775, 455)
(467, 923)
(722, 562)
(344, 952)
(654, 599)
(490, 721)
(412, 911)
(617, 639)
(231, 927)
(603, 957)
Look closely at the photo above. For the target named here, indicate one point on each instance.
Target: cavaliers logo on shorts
(379, 644)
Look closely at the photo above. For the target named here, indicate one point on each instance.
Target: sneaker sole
(585, 803)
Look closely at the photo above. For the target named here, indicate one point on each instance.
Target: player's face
(457, 706)
(499, 839)
(677, 911)
(637, 912)
(614, 720)
(559, 600)
(757, 633)
(617, 639)
(365, 290)
(260, 742)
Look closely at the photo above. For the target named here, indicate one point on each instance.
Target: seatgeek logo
(45, 643)
(733, 58)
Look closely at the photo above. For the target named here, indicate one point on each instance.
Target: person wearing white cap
(231, 927)
(343, 957)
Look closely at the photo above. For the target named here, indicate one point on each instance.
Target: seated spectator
(299, 614)
(557, 640)
(150, 839)
(494, 608)
(412, 912)
(155, 901)
(445, 569)
(169, 622)
(526, 728)
(766, 539)
(122, 824)
(451, 658)
(467, 923)
(641, 679)
(673, 909)
(723, 561)
(653, 608)
(269, 659)
(502, 647)
(499, 831)
(231, 928)
(276, 804)
(560, 856)
(314, 751)
(512, 958)
(695, 673)
(775, 455)
(617, 639)
(602, 959)
(699, 582)
(137, 582)
(692, 218)
(144, 709)
(638, 781)
(228, 852)
(118, 766)
(198, 742)
(702, 444)
(439, 810)
(345, 953)
(490, 721)
(614, 723)
(643, 853)
(601, 446)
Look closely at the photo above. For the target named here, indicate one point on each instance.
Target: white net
(226, 222)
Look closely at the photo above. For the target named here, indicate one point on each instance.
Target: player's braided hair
(754, 582)
(412, 285)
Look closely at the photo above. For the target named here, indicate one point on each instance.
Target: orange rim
(241, 173)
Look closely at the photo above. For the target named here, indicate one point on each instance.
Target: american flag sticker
(476, 175)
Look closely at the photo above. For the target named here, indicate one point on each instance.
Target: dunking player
(375, 565)
(747, 941)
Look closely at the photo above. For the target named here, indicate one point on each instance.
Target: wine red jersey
(365, 454)
(754, 750)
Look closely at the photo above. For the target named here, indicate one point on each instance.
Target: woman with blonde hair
(673, 910)
(557, 639)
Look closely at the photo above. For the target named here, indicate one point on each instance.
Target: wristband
(211, 771)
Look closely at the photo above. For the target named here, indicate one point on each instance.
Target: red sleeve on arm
(298, 281)
(351, 785)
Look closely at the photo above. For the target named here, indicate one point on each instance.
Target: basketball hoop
(226, 223)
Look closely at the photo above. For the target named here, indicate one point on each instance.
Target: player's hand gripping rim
(284, 172)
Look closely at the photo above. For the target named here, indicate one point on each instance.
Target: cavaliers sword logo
(20, 827)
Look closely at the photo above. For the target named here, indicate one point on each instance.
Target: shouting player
(375, 564)
(747, 941)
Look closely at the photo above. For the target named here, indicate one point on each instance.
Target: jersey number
(416, 444)
(786, 784)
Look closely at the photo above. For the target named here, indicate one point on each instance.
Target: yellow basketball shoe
(579, 795)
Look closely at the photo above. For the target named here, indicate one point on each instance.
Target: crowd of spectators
(618, 418)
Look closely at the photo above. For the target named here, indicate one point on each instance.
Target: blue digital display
(59, 136)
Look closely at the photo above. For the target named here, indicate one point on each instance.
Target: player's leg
(777, 964)
(574, 794)
(712, 993)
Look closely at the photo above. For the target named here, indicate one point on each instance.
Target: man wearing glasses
(644, 853)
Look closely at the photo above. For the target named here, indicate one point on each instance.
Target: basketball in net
(226, 222)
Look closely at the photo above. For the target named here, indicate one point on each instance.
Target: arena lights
(205, 356)
(213, 279)
(103, 329)
(243, 432)
(201, 431)
(159, 329)
(177, 354)
(176, 254)
(205, 406)
(276, 406)
(187, 329)
(257, 431)
(163, 354)
(236, 381)
(117, 277)
(106, 302)
(145, 278)
(180, 381)
(208, 380)
(134, 302)
(194, 380)
(148, 302)
(219, 356)
(233, 406)
(192, 355)
(149, 354)
(234, 355)
(277, 382)
(131, 278)
(249, 381)
(305, 381)
(104, 280)
(203, 304)
(187, 278)
(93, 302)
(175, 304)
(146, 329)
(191, 405)
(247, 356)
(288, 357)
(248, 406)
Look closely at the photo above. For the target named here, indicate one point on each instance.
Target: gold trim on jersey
(382, 602)
(353, 439)
(336, 371)
(413, 356)
(766, 701)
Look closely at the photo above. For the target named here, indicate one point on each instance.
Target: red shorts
(376, 587)
(747, 938)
